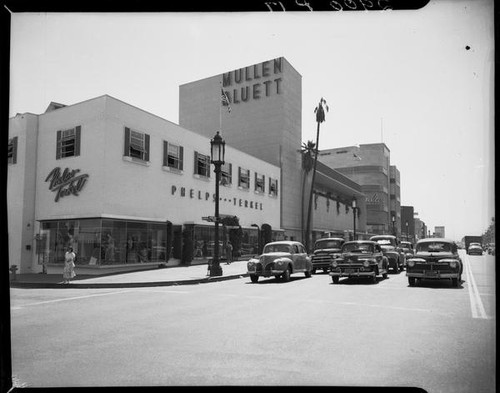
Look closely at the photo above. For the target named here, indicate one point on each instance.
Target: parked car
(325, 251)
(407, 249)
(390, 246)
(475, 249)
(360, 258)
(436, 259)
(280, 259)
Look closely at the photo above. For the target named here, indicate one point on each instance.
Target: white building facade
(125, 189)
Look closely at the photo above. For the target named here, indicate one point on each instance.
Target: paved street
(304, 332)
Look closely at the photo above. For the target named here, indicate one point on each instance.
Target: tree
(320, 118)
(307, 151)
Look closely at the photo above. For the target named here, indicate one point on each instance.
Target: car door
(296, 257)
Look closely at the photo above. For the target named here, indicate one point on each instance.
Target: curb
(47, 285)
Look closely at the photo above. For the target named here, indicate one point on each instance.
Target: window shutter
(127, 142)
(263, 183)
(239, 176)
(230, 173)
(77, 140)
(255, 182)
(195, 162)
(14, 150)
(181, 157)
(208, 161)
(146, 147)
(58, 145)
(165, 153)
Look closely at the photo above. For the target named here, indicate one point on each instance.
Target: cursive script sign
(66, 183)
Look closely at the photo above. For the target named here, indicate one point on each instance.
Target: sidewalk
(176, 275)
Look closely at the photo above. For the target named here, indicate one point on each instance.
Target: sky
(420, 81)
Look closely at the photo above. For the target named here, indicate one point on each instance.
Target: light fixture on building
(354, 207)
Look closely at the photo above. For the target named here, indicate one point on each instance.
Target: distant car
(325, 251)
(407, 249)
(390, 246)
(360, 258)
(435, 259)
(475, 249)
(280, 259)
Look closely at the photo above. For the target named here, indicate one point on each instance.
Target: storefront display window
(104, 241)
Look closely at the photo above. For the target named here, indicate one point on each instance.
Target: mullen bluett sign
(67, 182)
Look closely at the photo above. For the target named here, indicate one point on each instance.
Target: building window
(136, 145)
(244, 178)
(201, 164)
(172, 155)
(273, 187)
(68, 143)
(260, 185)
(12, 154)
(226, 174)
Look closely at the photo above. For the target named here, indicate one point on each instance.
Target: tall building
(439, 231)
(369, 166)
(264, 119)
(395, 198)
(407, 223)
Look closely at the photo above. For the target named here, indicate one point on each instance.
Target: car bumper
(431, 276)
(266, 273)
(352, 274)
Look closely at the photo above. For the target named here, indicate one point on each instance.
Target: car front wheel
(454, 282)
(335, 279)
(308, 273)
(286, 275)
(411, 281)
(254, 278)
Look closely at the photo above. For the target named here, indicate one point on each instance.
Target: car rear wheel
(454, 282)
(308, 273)
(254, 278)
(384, 275)
(411, 281)
(313, 270)
(373, 279)
(325, 270)
(335, 279)
(286, 275)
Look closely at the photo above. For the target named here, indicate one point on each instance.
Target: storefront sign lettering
(259, 87)
(65, 183)
(200, 195)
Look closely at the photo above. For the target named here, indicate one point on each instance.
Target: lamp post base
(215, 270)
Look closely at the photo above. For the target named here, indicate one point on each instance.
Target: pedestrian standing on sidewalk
(69, 266)
(229, 252)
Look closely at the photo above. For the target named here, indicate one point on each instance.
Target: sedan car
(435, 259)
(325, 250)
(407, 249)
(475, 249)
(360, 258)
(280, 259)
(390, 246)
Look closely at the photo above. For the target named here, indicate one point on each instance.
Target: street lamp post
(407, 237)
(354, 207)
(394, 225)
(217, 150)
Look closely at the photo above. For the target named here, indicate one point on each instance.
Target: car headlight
(334, 263)
(366, 263)
(411, 263)
(280, 262)
(453, 264)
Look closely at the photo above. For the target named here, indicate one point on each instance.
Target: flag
(225, 100)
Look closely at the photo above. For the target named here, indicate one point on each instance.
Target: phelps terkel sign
(65, 183)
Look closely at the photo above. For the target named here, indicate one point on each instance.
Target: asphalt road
(304, 332)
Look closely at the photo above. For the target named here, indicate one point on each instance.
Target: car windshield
(434, 247)
(384, 242)
(320, 244)
(276, 248)
(358, 247)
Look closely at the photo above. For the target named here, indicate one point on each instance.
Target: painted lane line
(476, 304)
(69, 298)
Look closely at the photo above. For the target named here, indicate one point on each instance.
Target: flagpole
(220, 111)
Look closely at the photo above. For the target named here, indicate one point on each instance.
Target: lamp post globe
(217, 152)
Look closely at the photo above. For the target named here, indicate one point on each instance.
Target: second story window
(173, 155)
(273, 187)
(12, 154)
(201, 164)
(260, 185)
(68, 143)
(226, 174)
(136, 145)
(244, 178)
